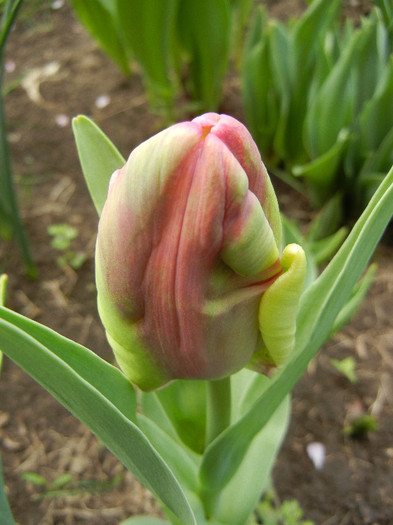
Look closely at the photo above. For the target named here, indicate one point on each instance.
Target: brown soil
(355, 486)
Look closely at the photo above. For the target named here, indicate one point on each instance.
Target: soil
(355, 484)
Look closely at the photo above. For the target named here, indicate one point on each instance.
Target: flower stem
(218, 418)
(218, 415)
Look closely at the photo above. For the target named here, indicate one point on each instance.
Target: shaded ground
(355, 486)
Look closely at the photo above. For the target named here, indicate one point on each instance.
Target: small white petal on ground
(102, 101)
(317, 453)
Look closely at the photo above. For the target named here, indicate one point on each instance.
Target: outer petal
(128, 227)
(240, 143)
(278, 310)
(132, 356)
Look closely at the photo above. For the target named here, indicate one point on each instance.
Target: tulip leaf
(100, 23)
(98, 156)
(307, 32)
(147, 28)
(105, 377)
(372, 58)
(377, 115)
(151, 407)
(243, 492)
(84, 384)
(282, 73)
(182, 464)
(321, 173)
(204, 30)
(259, 84)
(320, 307)
(339, 85)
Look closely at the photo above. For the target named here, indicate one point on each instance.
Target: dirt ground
(355, 485)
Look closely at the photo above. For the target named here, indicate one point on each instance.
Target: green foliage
(347, 367)
(97, 167)
(181, 47)
(317, 99)
(11, 225)
(361, 426)
(5, 511)
(62, 237)
(66, 485)
(288, 513)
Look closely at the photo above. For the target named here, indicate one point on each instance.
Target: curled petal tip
(279, 306)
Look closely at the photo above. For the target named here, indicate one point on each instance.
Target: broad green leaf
(147, 28)
(240, 14)
(99, 158)
(321, 304)
(325, 118)
(373, 170)
(151, 407)
(372, 58)
(100, 22)
(323, 301)
(246, 387)
(179, 460)
(305, 37)
(386, 7)
(282, 73)
(376, 119)
(89, 366)
(327, 56)
(321, 173)
(79, 393)
(204, 30)
(240, 497)
(259, 91)
(310, 28)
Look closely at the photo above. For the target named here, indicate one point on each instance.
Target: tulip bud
(188, 248)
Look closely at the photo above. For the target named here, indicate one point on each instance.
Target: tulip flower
(191, 283)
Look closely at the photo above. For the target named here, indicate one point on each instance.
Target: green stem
(218, 416)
